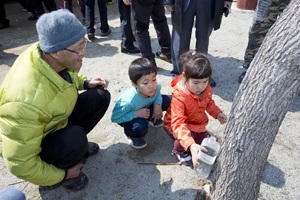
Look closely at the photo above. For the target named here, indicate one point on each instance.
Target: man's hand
(98, 81)
(127, 2)
(74, 171)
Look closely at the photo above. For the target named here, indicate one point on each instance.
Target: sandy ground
(115, 173)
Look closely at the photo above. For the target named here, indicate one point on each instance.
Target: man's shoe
(153, 62)
(213, 83)
(76, 184)
(137, 142)
(91, 36)
(105, 33)
(164, 56)
(241, 77)
(93, 148)
(32, 17)
(130, 50)
(5, 24)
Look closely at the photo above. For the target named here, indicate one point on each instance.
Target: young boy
(140, 103)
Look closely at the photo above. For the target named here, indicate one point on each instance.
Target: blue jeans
(12, 193)
(138, 127)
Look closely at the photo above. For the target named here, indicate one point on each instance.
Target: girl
(186, 118)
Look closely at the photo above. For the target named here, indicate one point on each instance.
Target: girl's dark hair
(140, 67)
(195, 65)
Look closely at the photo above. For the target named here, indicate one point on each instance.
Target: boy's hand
(222, 118)
(157, 113)
(142, 113)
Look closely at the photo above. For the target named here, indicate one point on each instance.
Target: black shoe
(91, 36)
(213, 83)
(105, 33)
(76, 184)
(137, 142)
(164, 56)
(4, 24)
(241, 77)
(94, 148)
(32, 17)
(130, 50)
(153, 63)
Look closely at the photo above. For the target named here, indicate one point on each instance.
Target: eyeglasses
(81, 49)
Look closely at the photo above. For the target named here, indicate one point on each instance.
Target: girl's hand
(222, 118)
(142, 113)
(157, 113)
(195, 148)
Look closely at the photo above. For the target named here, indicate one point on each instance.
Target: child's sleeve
(178, 124)
(122, 112)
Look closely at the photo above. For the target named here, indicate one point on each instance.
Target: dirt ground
(115, 173)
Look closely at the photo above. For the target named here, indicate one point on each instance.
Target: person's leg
(137, 127)
(265, 16)
(81, 4)
(65, 148)
(181, 41)
(127, 34)
(68, 4)
(161, 26)
(90, 107)
(204, 25)
(12, 193)
(50, 5)
(90, 17)
(38, 7)
(141, 15)
(103, 17)
(4, 23)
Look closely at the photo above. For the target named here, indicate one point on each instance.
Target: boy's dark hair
(196, 65)
(140, 67)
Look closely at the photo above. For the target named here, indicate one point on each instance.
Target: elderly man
(44, 121)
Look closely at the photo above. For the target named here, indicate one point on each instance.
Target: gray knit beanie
(58, 30)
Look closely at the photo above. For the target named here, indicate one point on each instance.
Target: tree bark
(271, 84)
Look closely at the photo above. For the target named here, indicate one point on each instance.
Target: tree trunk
(260, 105)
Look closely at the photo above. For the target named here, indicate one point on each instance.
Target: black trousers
(127, 34)
(66, 147)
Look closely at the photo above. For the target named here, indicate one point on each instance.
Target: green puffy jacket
(34, 101)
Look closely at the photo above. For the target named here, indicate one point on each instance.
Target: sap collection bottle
(208, 158)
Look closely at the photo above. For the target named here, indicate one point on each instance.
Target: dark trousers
(138, 127)
(3, 19)
(68, 146)
(201, 9)
(38, 6)
(198, 137)
(141, 15)
(127, 34)
(90, 15)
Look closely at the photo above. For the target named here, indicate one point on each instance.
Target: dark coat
(177, 13)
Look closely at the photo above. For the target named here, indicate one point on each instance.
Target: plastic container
(208, 158)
